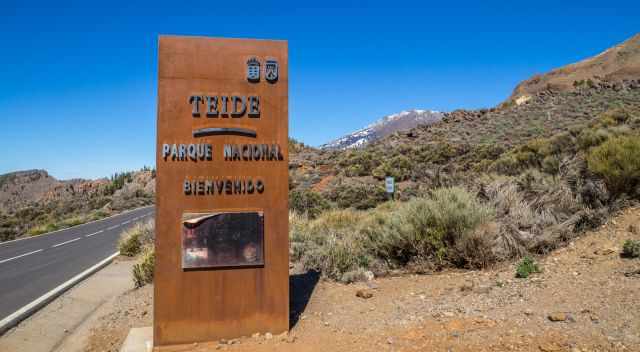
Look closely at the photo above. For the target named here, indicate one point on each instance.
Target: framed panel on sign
(222, 239)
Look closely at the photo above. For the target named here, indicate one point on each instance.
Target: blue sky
(78, 79)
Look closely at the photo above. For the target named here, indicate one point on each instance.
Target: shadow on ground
(300, 289)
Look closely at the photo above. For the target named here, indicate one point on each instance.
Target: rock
(528, 312)
(467, 286)
(365, 294)
(256, 335)
(483, 289)
(268, 336)
(222, 342)
(549, 347)
(558, 316)
(448, 314)
(369, 275)
(605, 251)
(372, 285)
(390, 341)
(291, 339)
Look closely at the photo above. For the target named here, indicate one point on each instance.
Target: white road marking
(95, 233)
(20, 256)
(126, 222)
(112, 227)
(24, 312)
(63, 243)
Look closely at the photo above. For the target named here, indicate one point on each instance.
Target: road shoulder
(62, 324)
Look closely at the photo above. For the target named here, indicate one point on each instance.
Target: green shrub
(550, 164)
(614, 117)
(143, 270)
(428, 227)
(526, 267)
(398, 167)
(592, 137)
(74, 221)
(308, 202)
(134, 239)
(358, 163)
(631, 249)
(40, 229)
(330, 243)
(617, 161)
(359, 196)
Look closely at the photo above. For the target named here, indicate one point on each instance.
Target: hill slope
(33, 202)
(618, 63)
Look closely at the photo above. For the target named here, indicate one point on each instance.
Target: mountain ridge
(618, 63)
(383, 127)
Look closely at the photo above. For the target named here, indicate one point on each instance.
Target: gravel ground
(585, 299)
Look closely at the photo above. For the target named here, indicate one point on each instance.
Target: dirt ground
(587, 286)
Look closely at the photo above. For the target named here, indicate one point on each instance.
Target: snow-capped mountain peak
(404, 120)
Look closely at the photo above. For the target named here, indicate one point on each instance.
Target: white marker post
(390, 186)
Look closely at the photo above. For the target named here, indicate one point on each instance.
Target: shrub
(617, 161)
(592, 137)
(134, 239)
(398, 167)
(526, 267)
(143, 270)
(428, 227)
(330, 243)
(631, 249)
(358, 163)
(40, 229)
(308, 202)
(359, 196)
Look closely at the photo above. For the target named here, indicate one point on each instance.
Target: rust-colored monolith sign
(222, 257)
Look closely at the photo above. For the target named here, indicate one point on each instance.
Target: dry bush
(133, 240)
(617, 161)
(143, 269)
(536, 212)
(330, 243)
(436, 230)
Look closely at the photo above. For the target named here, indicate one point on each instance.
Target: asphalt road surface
(31, 267)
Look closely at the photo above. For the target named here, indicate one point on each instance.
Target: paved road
(31, 267)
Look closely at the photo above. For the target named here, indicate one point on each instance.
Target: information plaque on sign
(222, 251)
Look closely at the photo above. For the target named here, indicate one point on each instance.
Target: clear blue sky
(78, 79)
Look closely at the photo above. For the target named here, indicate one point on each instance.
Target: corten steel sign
(222, 256)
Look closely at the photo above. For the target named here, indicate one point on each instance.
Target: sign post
(222, 255)
(390, 186)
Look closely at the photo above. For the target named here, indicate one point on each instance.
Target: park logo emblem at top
(271, 70)
(253, 70)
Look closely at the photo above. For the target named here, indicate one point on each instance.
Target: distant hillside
(33, 202)
(535, 173)
(467, 141)
(618, 63)
(386, 126)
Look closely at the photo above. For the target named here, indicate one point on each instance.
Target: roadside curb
(21, 314)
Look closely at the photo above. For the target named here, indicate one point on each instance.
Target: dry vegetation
(478, 188)
(138, 242)
(33, 203)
